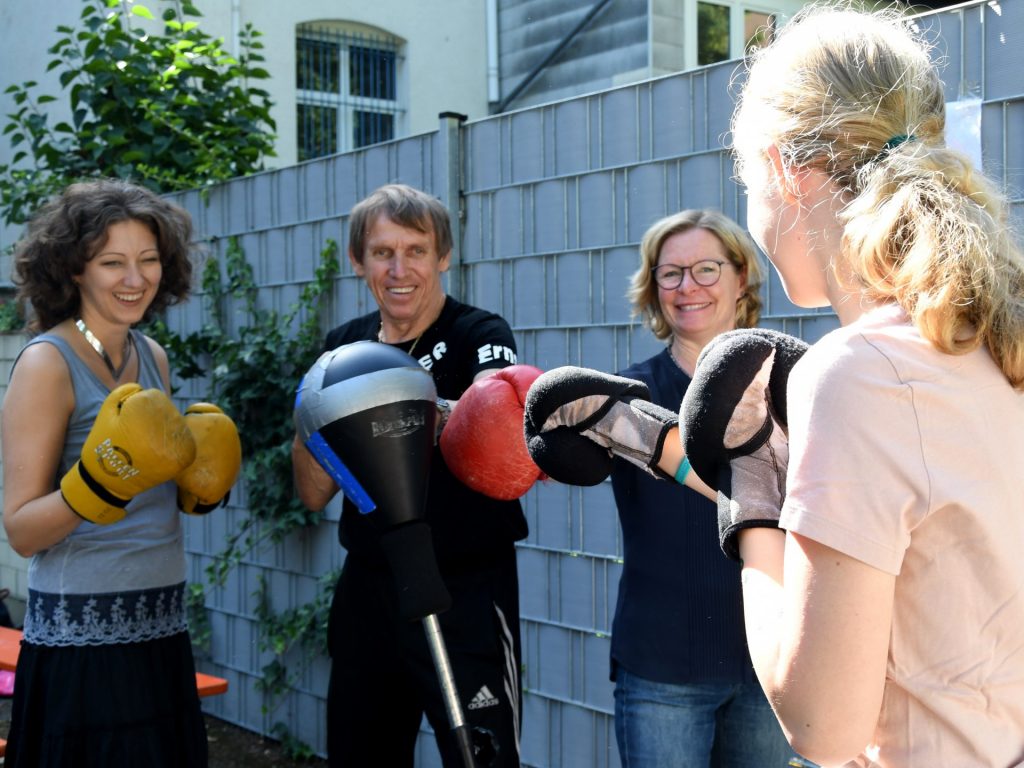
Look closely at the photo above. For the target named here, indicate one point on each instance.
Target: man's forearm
(314, 487)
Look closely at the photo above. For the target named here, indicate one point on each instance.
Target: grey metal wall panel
(279, 198)
(549, 216)
(1003, 137)
(596, 348)
(597, 213)
(507, 222)
(483, 154)
(671, 120)
(700, 178)
(1003, 59)
(973, 70)
(945, 33)
(551, 526)
(619, 265)
(486, 285)
(342, 171)
(553, 659)
(647, 199)
(536, 748)
(619, 139)
(600, 533)
(573, 275)
(531, 286)
(571, 137)
(526, 135)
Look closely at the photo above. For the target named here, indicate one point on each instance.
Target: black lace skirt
(116, 706)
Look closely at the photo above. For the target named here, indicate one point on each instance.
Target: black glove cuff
(104, 495)
(203, 509)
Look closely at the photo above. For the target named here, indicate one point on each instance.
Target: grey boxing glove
(577, 420)
(734, 424)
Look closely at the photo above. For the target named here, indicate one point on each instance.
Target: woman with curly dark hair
(92, 445)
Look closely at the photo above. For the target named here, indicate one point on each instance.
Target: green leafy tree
(170, 111)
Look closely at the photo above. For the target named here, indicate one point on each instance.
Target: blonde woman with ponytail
(885, 617)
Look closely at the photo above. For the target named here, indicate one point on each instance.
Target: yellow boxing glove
(138, 441)
(205, 483)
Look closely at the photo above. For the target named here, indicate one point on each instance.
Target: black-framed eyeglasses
(704, 273)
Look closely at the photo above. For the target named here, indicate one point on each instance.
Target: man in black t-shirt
(382, 675)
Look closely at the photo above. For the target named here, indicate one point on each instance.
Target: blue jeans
(661, 725)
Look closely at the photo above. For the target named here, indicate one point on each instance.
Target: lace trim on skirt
(101, 619)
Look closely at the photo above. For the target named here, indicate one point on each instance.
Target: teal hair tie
(683, 471)
(895, 141)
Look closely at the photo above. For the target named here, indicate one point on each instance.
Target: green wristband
(683, 471)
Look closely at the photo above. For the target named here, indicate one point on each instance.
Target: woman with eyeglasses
(685, 689)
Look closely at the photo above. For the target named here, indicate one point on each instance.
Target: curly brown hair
(68, 231)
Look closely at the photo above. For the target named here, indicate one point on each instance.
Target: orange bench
(10, 646)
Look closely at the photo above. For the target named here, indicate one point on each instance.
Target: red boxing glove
(483, 442)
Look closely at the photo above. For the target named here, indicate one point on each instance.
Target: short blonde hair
(739, 248)
(855, 95)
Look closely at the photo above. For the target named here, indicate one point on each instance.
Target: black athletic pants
(383, 678)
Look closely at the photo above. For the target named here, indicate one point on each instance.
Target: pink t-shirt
(912, 461)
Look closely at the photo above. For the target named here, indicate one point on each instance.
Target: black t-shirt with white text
(466, 525)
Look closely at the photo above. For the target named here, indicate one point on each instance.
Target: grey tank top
(116, 583)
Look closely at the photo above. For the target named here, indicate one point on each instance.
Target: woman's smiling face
(694, 312)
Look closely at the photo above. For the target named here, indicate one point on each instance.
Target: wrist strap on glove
(90, 500)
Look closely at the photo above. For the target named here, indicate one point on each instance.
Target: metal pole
(448, 691)
(451, 195)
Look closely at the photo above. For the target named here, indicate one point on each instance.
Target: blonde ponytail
(927, 231)
(855, 95)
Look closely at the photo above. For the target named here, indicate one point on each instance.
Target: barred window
(347, 90)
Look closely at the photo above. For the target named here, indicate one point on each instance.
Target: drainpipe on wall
(236, 26)
(493, 86)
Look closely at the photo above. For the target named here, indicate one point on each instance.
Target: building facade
(345, 75)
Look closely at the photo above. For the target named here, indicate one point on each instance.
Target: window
(758, 29)
(727, 29)
(318, 131)
(712, 33)
(347, 90)
(373, 73)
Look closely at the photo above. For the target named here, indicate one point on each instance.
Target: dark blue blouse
(679, 616)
